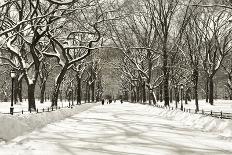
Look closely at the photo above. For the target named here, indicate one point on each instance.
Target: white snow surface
(12, 126)
(219, 105)
(221, 127)
(124, 129)
(18, 107)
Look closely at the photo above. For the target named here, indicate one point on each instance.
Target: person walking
(103, 101)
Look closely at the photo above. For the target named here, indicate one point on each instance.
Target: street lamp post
(181, 95)
(12, 75)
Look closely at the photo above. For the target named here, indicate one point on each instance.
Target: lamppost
(12, 75)
(181, 95)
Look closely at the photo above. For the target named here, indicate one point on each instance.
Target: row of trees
(169, 43)
(53, 39)
(162, 44)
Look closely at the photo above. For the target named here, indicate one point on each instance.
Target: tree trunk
(75, 93)
(131, 94)
(98, 97)
(144, 92)
(207, 90)
(166, 77)
(31, 97)
(72, 95)
(20, 96)
(149, 76)
(55, 93)
(16, 90)
(134, 95)
(161, 92)
(186, 96)
(195, 73)
(61, 96)
(166, 91)
(154, 98)
(78, 89)
(211, 97)
(42, 91)
(177, 99)
(137, 93)
(157, 93)
(231, 94)
(171, 95)
(150, 96)
(93, 91)
(88, 92)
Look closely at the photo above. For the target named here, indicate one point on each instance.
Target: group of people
(110, 101)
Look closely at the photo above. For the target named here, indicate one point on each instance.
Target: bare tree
(227, 66)
(23, 26)
(162, 12)
(136, 38)
(46, 68)
(194, 47)
(216, 32)
(89, 24)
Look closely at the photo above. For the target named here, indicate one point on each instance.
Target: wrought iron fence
(217, 114)
(41, 110)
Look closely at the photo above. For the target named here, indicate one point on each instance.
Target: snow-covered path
(118, 129)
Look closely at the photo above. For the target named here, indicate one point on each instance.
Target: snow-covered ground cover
(119, 129)
(219, 105)
(5, 106)
(221, 127)
(12, 126)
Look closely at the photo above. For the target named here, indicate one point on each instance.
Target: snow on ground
(5, 106)
(219, 105)
(118, 129)
(221, 127)
(12, 126)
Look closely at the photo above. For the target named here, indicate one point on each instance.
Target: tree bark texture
(42, 91)
(211, 90)
(78, 89)
(196, 74)
(31, 97)
(93, 91)
(144, 92)
(59, 80)
(207, 90)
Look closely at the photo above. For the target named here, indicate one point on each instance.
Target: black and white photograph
(115, 77)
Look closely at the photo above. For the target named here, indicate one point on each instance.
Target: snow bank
(12, 126)
(221, 127)
(219, 105)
